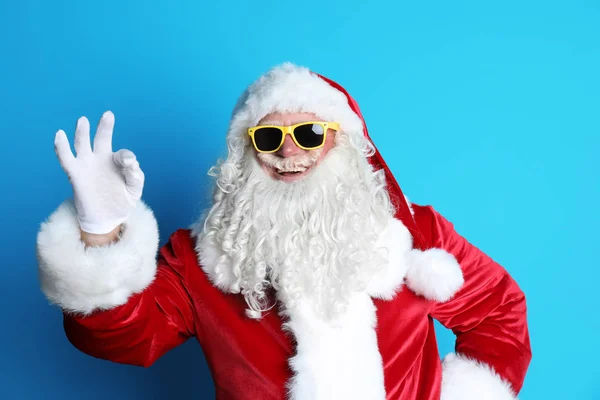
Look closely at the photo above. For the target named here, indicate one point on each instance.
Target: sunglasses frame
(290, 130)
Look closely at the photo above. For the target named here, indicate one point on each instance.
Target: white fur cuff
(467, 379)
(80, 279)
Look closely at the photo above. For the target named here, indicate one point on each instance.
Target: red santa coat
(121, 304)
(248, 359)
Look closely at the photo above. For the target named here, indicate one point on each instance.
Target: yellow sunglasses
(307, 135)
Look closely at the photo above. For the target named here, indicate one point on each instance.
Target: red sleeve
(150, 324)
(488, 314)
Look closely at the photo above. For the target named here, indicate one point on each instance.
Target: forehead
(277, 118)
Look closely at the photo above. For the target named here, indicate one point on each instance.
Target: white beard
(313, 239)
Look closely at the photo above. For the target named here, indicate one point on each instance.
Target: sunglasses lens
(309, 135)
(267, 139)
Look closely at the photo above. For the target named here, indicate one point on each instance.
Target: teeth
(291, 170)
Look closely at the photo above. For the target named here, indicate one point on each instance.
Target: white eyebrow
(271, 122)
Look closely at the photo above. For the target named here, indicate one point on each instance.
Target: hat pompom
(434, 274)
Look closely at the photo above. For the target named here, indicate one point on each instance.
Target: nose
(289, 148)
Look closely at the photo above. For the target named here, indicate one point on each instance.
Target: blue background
(489, 112)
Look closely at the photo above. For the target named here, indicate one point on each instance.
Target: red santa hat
(292, 88)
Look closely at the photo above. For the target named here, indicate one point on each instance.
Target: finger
(124, 158)
(134, 179)
(82, 136)
(63, 149)
(104, 132)
(130, 168)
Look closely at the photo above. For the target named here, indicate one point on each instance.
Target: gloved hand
(106, 185)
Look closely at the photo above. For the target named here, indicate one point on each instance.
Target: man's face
(307, 159)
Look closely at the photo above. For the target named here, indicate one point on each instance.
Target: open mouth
(291, 174)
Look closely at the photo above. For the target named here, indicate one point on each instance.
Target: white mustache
(298, 163)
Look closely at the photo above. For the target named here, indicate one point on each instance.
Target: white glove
(106, 185)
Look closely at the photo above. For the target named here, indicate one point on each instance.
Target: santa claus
(311, 276)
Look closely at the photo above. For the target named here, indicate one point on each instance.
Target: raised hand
(106, 184)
